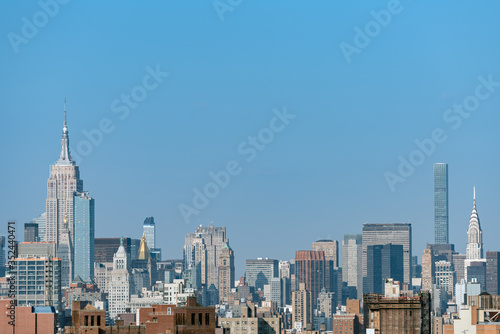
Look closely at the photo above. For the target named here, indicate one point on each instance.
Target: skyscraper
(2, 255)
(492, 282)
(31, 232)
(226, 272)
(84, 236)
(302, 306)
(119, 287)
(149, 231)
(352, 262)
(383, 262)
(474, 235)
(64, 180)
(331, 249)
(440, 203)
(203, 248)
(41, 221)
(313, 270)
(259, 272)
(396, 234)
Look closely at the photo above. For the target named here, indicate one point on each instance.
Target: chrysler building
(474, 235)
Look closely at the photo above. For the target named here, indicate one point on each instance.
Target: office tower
(2, 256)
(396, 234)
(31, 232)
(383, 262)
(38, 275)
(284, 269)
(260, 271)
(397, 315)
(441, 203)
(41, 221)
(434, 253)
(64, 180)
(461, 293)
(313, 270)
(459, 265)
(302, 306)
(119, 287)
(492, 282)
(65, 251)
(352, 262)
(226, 273)
(474, 235)
(105, 248)
(83, 214)
(476, 270)
(149, 229)
(428, 269)
(445, 276)
(331, 249)
(203, 247)
(416, 269)
(327, 303)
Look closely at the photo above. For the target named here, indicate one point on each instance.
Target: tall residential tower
(441, 203)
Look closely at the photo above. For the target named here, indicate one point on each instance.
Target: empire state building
(63, 182)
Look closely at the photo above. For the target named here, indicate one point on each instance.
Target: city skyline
(320, 178)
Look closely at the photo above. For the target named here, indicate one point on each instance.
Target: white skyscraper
(63, 182)
(352, 262)
(203, 248)
(474, 235)
(119, 287)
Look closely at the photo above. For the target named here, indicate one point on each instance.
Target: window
(207, 319)
(192, 318)
(169, 311)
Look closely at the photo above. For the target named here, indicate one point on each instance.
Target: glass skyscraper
(149, 231)
(440, 203)
(83, 214)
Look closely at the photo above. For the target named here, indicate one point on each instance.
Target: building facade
(31, 232)
(383, 262)
(352, 262)
(441, 233)
(63, 182)
(331, 249)
(83, 213)
(259, 272)
(119, 287)
(226, 273)
(202, 248)
(396, 234)
(474, 235)
(492, 282)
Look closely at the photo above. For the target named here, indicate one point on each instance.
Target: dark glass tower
(440, 203)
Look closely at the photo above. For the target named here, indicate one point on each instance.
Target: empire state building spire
(474, 235)
(65, 157)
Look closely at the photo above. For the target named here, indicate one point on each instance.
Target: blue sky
(322, 176)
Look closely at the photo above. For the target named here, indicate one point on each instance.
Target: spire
(143, 253)
(65, 157)
(474, 234)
